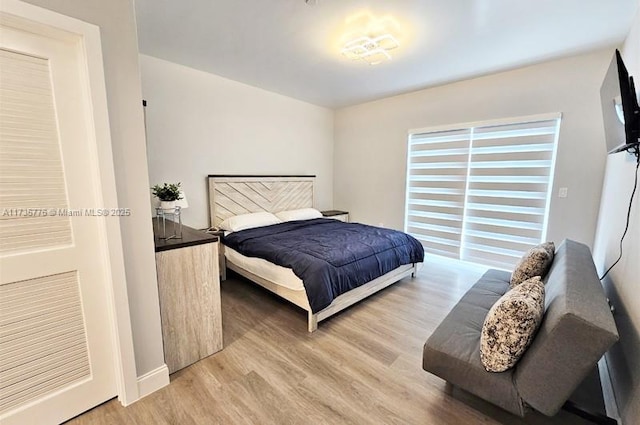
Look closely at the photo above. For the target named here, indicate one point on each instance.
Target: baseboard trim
(594, 417)
(608, 394)
(152, 381)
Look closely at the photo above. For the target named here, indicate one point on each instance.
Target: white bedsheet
(266, 270)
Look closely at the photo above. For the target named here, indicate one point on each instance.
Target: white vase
(168, 206)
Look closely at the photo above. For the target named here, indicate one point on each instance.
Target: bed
(236, 196)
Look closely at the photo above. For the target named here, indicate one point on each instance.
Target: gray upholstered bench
(577, 329)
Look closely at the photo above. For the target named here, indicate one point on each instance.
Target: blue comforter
(331, 257)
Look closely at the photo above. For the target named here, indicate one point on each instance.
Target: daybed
(577, 329)
(336, 264)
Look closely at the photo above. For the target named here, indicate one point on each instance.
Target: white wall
(199, 124)
(371, 139)
(120, 51)
(623, 282)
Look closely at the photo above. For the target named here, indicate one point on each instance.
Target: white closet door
(56, 349)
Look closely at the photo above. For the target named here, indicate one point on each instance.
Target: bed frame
(231, 195)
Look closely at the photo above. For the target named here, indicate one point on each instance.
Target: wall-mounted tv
(620, 109)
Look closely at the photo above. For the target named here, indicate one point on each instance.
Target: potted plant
(168, 194)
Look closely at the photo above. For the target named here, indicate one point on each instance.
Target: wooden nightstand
(336, 215)
(189, 292)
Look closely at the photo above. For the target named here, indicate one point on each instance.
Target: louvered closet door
(56, 353)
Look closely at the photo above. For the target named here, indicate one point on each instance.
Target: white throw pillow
(249, 221)
(301, 214)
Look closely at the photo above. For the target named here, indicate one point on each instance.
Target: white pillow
(301, 214)
(249, 221)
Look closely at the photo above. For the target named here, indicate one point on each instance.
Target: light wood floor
(362, 366)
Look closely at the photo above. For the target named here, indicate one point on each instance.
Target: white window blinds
(481, 193)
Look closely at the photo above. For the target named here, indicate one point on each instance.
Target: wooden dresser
(189, 290)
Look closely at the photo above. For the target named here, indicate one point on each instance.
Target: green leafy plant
(167, 192)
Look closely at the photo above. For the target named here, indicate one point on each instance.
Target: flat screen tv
(620, 109)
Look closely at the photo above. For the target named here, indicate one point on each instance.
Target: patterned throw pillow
(535, 262)
(550, 247)
(511, 324)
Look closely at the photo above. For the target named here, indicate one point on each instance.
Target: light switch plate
(563, 192)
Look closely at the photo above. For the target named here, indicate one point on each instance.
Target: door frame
(42, 21)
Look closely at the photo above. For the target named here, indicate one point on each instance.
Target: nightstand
(337, 215)
(189, 292)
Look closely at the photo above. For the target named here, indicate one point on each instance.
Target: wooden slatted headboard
(231, 195)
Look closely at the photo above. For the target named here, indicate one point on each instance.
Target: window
(481, 192)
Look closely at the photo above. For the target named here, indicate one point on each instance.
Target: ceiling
(292, 48)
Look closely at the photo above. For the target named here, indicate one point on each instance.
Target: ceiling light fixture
(372, 50)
